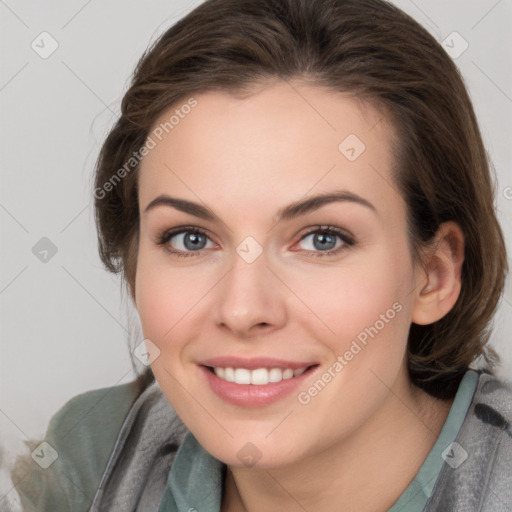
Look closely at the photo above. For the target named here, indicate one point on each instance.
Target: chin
(249, 451)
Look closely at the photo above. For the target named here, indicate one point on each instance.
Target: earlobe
(439, 277)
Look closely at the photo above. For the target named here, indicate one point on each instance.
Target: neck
(367, 471)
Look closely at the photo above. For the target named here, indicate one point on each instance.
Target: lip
(251, 395)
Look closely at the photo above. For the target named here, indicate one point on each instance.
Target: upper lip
(254, 363)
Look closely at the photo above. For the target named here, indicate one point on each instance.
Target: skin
(361, 440)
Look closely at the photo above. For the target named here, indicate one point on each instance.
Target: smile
(256, 382)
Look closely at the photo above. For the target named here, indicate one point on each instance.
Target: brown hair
(366, 47)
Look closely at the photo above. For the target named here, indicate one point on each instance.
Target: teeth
(242, 376)
(288, 373)
(275, 375)
(258, 377)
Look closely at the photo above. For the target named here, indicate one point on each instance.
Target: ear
(438, 277)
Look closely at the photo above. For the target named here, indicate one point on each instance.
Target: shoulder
(63, 473)
(490, 413)
(95, 414)
(487, 434)
(480, 476)
(494, 397)
(137, 470)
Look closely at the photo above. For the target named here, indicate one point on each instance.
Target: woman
(299, 200)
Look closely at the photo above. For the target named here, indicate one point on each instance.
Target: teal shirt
(84, 431)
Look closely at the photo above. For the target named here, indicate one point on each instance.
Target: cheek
(169, 299)
(366, 308)
(154, 303)
(158, 300)
(359, 295)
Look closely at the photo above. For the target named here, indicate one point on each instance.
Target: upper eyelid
(327, 228)
(172, 232)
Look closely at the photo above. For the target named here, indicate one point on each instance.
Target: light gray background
(64, 327)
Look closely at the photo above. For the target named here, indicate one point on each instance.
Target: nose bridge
(248, 302)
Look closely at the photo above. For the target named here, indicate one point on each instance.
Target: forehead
(280, 143)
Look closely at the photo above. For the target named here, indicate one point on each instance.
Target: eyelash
(164, 237)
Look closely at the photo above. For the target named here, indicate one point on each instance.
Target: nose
(249, 300)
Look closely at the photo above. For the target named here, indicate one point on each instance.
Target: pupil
(194, 240)
(324, 241)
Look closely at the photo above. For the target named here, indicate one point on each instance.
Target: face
(274, 273)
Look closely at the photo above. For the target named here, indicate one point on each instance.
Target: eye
(190, 241)
(185, 241)
(325, 240)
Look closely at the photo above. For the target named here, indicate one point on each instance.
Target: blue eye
(185, 241)
(325, 240)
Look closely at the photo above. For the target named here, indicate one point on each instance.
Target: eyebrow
(293, 210)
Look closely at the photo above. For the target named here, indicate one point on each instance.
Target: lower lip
(252, 395)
